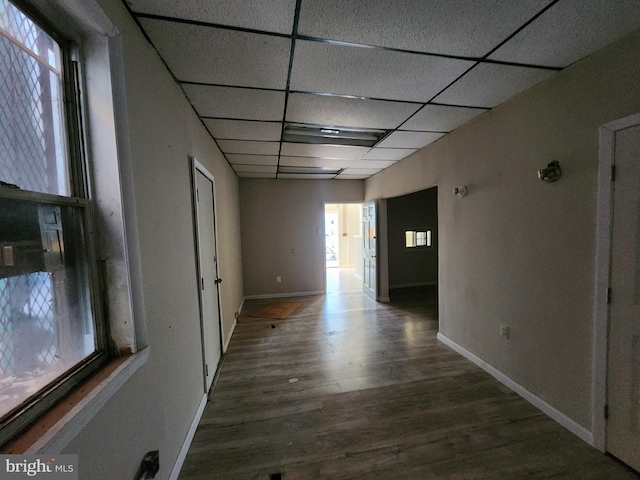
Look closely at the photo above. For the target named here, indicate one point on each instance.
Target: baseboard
(241, 306)
(233, 328)
(533, 399)
(417, 284)
(283, 295)
(188, 439)
(384, 299)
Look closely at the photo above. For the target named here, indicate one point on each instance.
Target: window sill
(54, 430)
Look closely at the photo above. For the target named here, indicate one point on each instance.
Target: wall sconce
(460, 191)
(551, 173)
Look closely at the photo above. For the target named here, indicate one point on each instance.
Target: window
(51, 334)
(417, 238)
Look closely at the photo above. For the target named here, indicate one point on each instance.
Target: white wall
(517, 250)
(280, 215)
(154, 409)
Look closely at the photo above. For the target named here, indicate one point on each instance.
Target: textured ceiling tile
(378, 164)
(252, 159)
(211, 55)
(255, 168)
(367, 72)
(314, 162)
(347, 112)
(250, 147)
(409, 139)
(461, 27)
(440, 118)
(361, 171)
(388, 153)
(323, 151)
(230, 102)
(570, 30)
(488, 85)
(243, 130)
(272, 16)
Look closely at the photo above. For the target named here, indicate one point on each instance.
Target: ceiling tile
(252, 159)
(306, 176)
(195, 53)
(255, 168)
(441, 118)
(402, 139)
(377, 164)
(347, 112)
(388, 153)
(230, 102)
(570, 30)
(314, 162)
(361, 171)
(488, 85)
(273, 16)
(462, 27)
(249, 146)
(368, 72)
(323, 151)
(244, 130)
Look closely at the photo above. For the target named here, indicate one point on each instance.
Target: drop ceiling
(413, 69)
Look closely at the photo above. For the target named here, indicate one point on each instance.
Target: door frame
(604, 233)
(324, 262)
(196, 167)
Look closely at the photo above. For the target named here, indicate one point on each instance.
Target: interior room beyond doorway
(343, 247)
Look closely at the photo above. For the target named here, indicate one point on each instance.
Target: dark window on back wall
(51, 333)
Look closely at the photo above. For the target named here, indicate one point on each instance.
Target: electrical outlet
(278, 279)
(505, 331)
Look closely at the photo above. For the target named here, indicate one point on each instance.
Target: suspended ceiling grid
(415, 69)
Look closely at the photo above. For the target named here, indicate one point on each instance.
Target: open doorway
(343, 247)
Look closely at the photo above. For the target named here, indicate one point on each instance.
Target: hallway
(350, 388)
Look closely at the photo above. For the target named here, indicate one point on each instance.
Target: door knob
(218, 280)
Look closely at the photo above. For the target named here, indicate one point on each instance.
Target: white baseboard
(233, 328)
(533, 399)
(283, 295)
(241, 306)
(188, 439)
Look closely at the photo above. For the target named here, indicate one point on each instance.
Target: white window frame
(414, 232)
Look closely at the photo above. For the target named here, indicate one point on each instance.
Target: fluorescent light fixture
(310, 170)
(330, 135)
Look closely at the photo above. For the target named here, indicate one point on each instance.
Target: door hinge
(206, 369)
(197, 195)
(606, 411)
(613, 173)
(609, 296)
(202, 283)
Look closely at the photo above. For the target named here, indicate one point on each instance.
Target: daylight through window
(47, 320)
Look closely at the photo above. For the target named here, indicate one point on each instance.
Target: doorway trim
(604, 223)
(324, 263)
(196, 167)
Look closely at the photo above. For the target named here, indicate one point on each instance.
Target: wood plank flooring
(350, 388)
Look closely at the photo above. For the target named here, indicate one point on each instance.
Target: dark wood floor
(376, 396)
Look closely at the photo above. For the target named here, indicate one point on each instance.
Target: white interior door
(623, 384)
(208, 271)
(369, 275)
